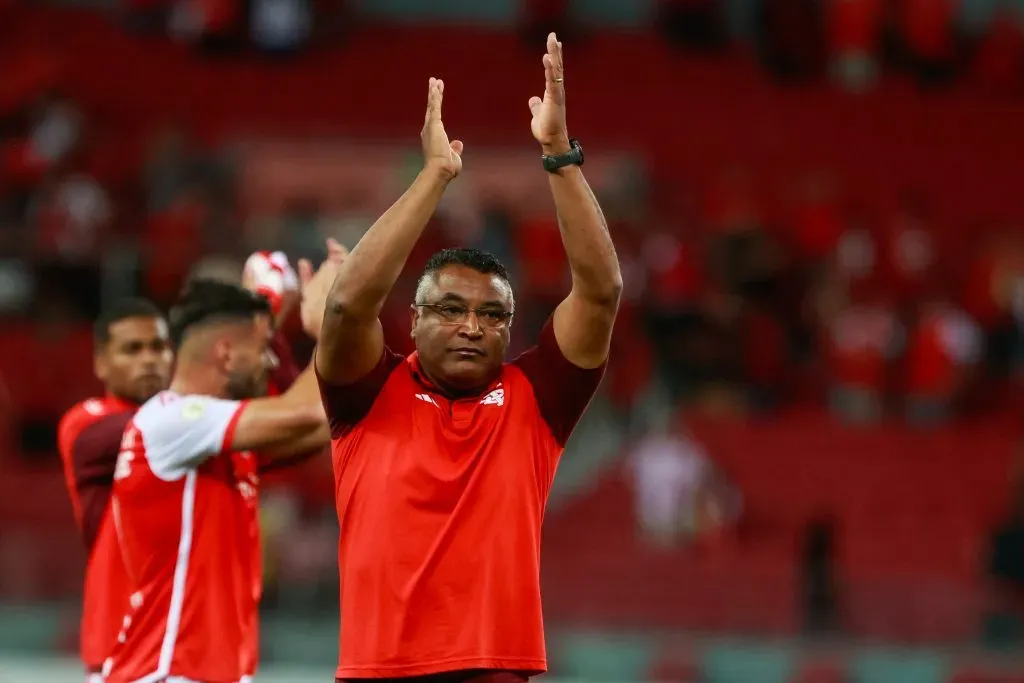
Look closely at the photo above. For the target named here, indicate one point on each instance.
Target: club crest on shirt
(495, 398)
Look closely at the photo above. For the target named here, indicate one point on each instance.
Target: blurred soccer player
(133, 360)
(444, 460)
(186, 482)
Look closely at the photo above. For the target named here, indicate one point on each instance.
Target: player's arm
(583, 321)
(566, 366)
(294, 423)
(285, 424)
(90, 449)
(352, 341)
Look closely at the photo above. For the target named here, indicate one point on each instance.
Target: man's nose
(471, 327)
(150, 359)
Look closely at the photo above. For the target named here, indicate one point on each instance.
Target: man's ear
(221, 352)
(100, 367)
(414, 318)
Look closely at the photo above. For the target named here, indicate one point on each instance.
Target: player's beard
(243, 385)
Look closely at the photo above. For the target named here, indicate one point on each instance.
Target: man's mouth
(468, 351)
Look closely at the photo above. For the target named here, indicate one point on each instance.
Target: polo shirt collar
(421, 378)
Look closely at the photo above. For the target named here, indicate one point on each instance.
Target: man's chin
(147, 390)
(468, 376)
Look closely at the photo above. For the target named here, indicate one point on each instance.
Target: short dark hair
(476, 259)
(122, 309)
(204, 301)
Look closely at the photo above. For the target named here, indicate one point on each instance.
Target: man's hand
(317, 286)
(548, 124)
(438, 152)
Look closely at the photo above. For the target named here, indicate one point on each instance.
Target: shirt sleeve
(92, 455)
(562, 389)
(346, 404)
(179, 435)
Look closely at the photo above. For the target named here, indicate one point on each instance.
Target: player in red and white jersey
(133, 360)
(186, 483)
(270, 275)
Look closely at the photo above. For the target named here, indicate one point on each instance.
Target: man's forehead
(473, 286)
(139, 326)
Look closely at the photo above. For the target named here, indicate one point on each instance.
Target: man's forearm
(588, 246)
(373, 267)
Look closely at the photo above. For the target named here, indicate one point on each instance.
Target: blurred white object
(667, 473)
(55, 133)
(270, 275)
(280, 24)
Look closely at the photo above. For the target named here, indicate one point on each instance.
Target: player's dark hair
(206, 301)
(122, 309)
(477, 259)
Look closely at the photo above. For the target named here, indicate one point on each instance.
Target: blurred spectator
(854, 31)
(819, 580)
(862, 340)
(1004, 624)
(928, 40)
(818, 222)
(945, 346)
(71, 214)
(766, 358)
(999, 58)
(214, 26)
(173, 242)
(911, 250)
(172, 164)
(280, 27)
(995, 273)
(679, 494)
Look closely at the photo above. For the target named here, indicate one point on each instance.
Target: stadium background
(803, 463)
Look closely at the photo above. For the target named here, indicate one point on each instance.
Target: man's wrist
(556, 146)
(436, 171)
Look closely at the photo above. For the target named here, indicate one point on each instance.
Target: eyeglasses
(456, 314)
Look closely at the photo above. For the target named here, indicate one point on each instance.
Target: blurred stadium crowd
(812, 387)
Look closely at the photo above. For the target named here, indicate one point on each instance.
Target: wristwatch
(574, 157)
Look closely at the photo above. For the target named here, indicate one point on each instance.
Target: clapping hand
(438, 152)
(548, 124)
(317, 286)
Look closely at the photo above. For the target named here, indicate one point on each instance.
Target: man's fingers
(435, 94)
(535, 103)
(457, 146)
(336, 251)
(555, 52)
(305, 271)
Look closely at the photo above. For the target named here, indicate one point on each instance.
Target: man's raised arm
(351, 341)
(583, 321)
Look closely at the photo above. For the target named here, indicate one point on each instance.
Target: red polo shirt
(440, 504)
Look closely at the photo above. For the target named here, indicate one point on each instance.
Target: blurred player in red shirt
(186, 484)
(133, 360)
(444, 460)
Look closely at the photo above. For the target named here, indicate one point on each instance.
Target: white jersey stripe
(188, 506)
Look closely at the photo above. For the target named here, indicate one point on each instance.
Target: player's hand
(438, 152)
(317, 286)
(548, 124)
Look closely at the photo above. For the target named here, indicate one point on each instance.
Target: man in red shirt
(444, 460)
(186, 482)
(133, 360)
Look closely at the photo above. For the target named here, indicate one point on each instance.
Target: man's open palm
(437, 150)
(548, 124)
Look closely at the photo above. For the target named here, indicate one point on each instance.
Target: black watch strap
(574, 157)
